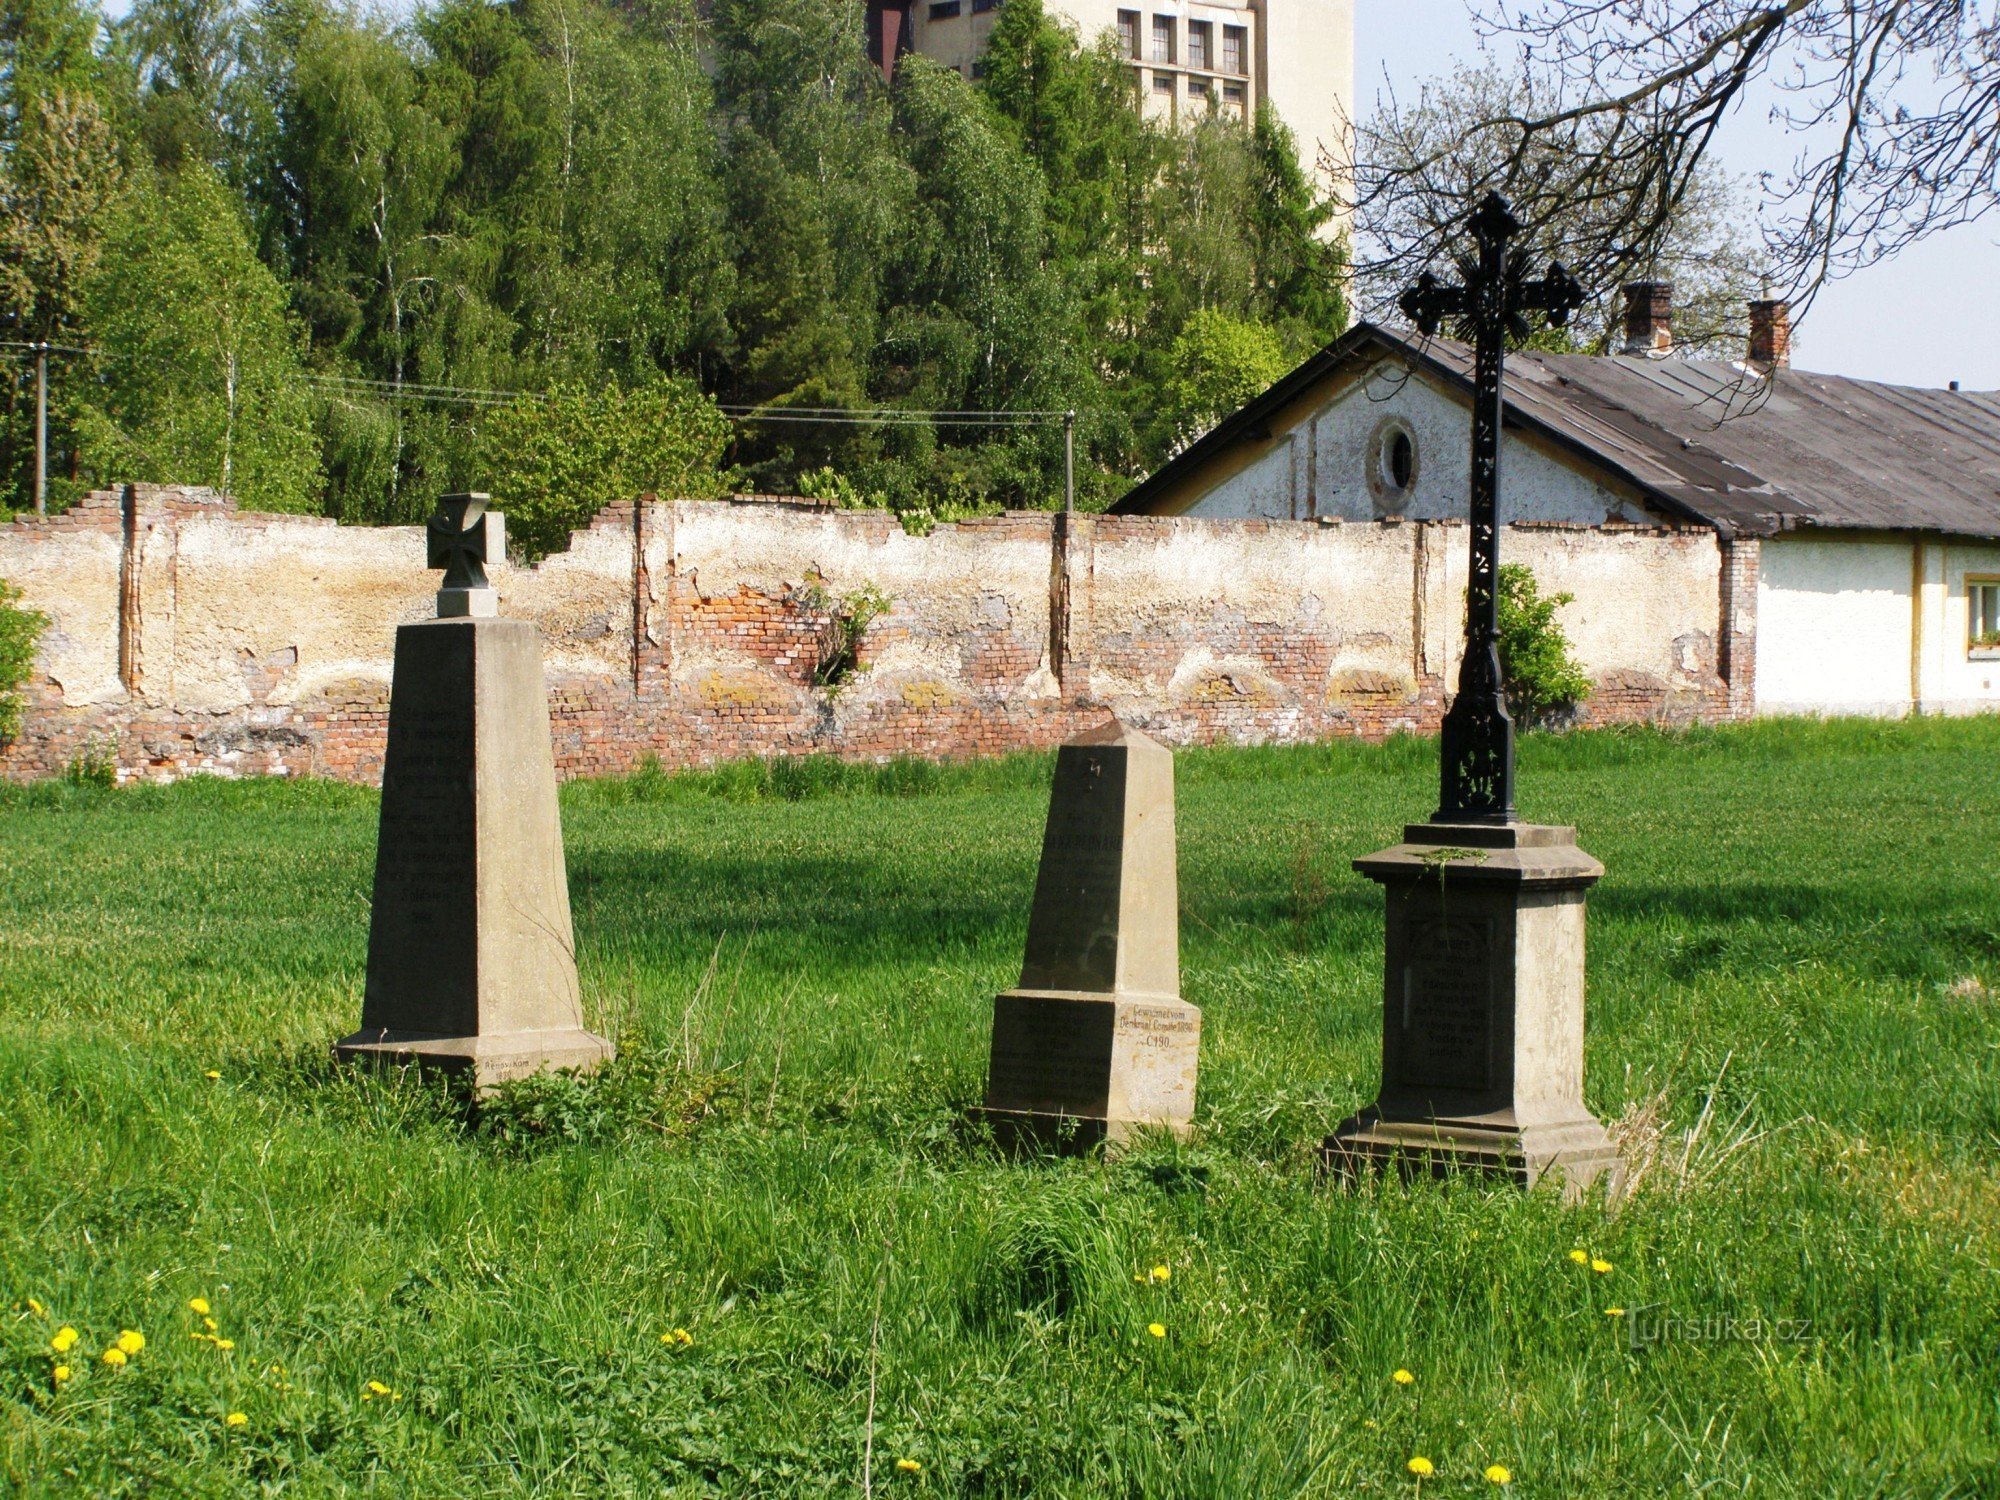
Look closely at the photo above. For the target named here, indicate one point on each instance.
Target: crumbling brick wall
(187, 636)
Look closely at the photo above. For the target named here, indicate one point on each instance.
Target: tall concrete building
(1187, 54)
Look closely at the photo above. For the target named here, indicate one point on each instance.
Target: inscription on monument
(1447, 1004)
(1051, 1056)
(1073, 930)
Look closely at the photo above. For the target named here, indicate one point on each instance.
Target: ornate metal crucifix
(1477, 748)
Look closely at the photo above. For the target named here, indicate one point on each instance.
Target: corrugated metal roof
(1708, 439)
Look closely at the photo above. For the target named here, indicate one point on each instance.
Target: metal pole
(42, 428)
(1069, 463)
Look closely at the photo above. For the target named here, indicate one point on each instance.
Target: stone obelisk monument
(1096, 1042)
(471, 957)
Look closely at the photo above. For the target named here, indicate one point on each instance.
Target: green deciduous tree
(197, 369)
(1544, 682)
(1218, 363)
(553, 463)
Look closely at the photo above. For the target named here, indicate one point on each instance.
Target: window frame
(1977, 584)
(1164, 40)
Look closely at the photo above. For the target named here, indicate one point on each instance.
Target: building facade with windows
(1187, 55)
(1856, 524)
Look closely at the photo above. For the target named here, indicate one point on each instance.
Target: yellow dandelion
(114, 1356)
(1614, 1312)
(225, 1345)
(1498, 1474)
(131, 1340)
(209, 1324)
(65, 1339)
(1421, 1467)
(1581, 1257)
(235, 1419)
(909, 1466)
(62, 1373)
(1161, 1273)
(1140, 1277)
(376, 1388)
(212, 1074)
(37, 1309)
(198, 1304)
(1404, 1377)
(1601, 1267)
(1367, 1421)
(1157, 1330)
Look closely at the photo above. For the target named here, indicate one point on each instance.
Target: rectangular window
(944, 10)
(1200, 54)
(980, 7)
(1232, 98)
(1197, 88)
(1163, 39)
(1232, 50)
(1128, 33)
(1163, 83)
(1982, 600)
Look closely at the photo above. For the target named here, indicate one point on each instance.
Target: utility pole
(42, 428)
(1069, 462)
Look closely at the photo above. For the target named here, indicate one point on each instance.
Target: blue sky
(1928, 317)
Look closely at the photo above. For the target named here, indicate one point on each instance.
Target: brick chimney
(1771, 334)
(1649, 319)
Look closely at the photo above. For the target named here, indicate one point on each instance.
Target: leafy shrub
(20, 632)
(96, 764)
(554, 463)
(847, 620)
(1544, 683)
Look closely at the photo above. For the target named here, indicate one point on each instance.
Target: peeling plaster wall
(194, 638)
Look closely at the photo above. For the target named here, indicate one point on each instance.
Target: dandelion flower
(1498, 1474)
(209, 1324)
(1581, 1257)
(198, 1304)
(212, 1074)
(1614, 1312)
(131, 1340)
(1601, 1267)
(62, 1373)
(1162, 1273)
(1404, 1377)
(114, 1356)
(235, 1419)
(65, 1339)
(37, 1309)
(1421, 1467)
(1367, 1421)
(377, 1388)
(225, 1345)
(909, 1466)
(1157, 1330)
(679, 1337)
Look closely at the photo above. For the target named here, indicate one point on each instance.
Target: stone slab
(1091, 1068)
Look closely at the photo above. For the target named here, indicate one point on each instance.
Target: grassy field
(1795, 1016)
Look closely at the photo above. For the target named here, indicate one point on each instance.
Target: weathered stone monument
(471, 957)
(1482, 1029)
(1096, 1042)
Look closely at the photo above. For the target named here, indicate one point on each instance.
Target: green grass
(1796, 950)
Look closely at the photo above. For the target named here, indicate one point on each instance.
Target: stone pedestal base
(1071, 1070)
(487, 1059)
(1482, 1031)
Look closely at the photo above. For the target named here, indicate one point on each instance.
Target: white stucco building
(1186, 54)
(1858, 524)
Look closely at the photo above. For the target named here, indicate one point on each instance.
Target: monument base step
(489, 1060)
(1580, 1152)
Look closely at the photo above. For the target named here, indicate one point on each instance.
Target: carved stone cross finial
(1491, 305)
(462, 537)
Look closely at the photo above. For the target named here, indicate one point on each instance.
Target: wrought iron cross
(457, 538)
(1477, 744)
